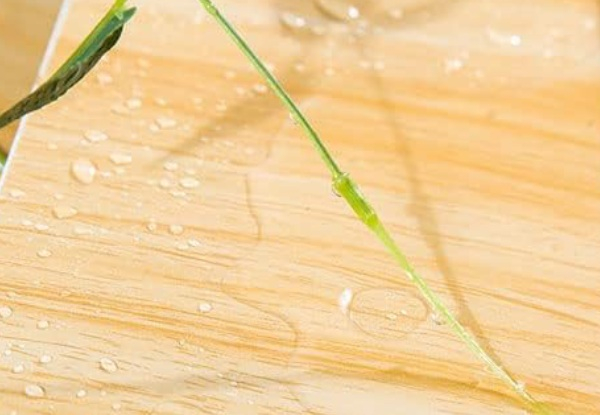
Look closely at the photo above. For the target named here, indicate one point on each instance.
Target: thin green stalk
(348, 189)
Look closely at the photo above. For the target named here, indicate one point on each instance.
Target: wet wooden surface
(25, 27)
(207, 256)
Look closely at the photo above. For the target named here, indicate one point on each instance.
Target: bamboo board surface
(200, 270)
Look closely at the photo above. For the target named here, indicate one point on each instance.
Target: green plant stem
(348, 189)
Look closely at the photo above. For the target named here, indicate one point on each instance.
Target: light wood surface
(25, 26)
(471, 124)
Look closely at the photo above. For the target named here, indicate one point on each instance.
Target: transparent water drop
(338, 9)
(104, 78)
(189, 183)
(503, 38)
(205, 308)
(260, 88)
(165, 183)
(116, 406)
(19, 368)
(121, 159)
(292, 21)
(453, 65)
(108, 365)
(81, 393)
(437, 319)
(193, 243)
(43, 324)
(95, 136)
(345, 299)
(176, 229)
(166, 123)
(84, 171)
(34, 391)
(16, 193)
(133, 103)
(170, 166)
(45, 359)
(44, 253)
(64, 211)
(5, 312)
(152, 226)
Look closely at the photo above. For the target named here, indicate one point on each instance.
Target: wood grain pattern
(25, 26)
(480, 150)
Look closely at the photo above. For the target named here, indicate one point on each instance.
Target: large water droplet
(84, 171)
(388, 313)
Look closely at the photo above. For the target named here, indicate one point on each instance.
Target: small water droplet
(345, 299)
(95, 136)
(502, 38)
(5, 312)
(17, 369)
(176, 229)
(26, 222)
(292, 20)
(81, 393)
(166, 122)
(44, 253)
(338, 9)
(437, 319)
(170, 166)
(64, 212)
(121, 159)
(189, 183)
(45, 359)
(133, 103)
(116, 406)
(16, 193)
(521, 386)
(34, 391)
(453, 65)
(396, 14)
(152, 226)
(108, 365)
(83, 170)
(193, 243)
(43, 324)
(260, 88)
(104, 78)
(205, 308)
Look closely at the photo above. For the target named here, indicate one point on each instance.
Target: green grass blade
(346, 188)
(104, 36)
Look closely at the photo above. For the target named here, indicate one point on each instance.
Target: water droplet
(338, 9)
(26, 222)
(120, 109)
(121, 159)
(166, 122)
(45, 359)
(152, 226)
(116, 406)
(64, 212)
(260, 88)
(170, 166)
(18, 369)
(5, 312)
(16, 193)
(387, 313)
(43, 324)
(193, 243)
(502, 38)
(453, 65)
(104, 78)
(81, 393)
(133, 103)
(205, 308)
(521, 386)
(189, 183)
(44, 253)
(41, 227)
(396, 14)
(165, 183)
(108, 365)
(34, 391)
(176, 229)
(83, 170)
(437, 319)
(345, 299)
(95, 136)
(292, 21)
